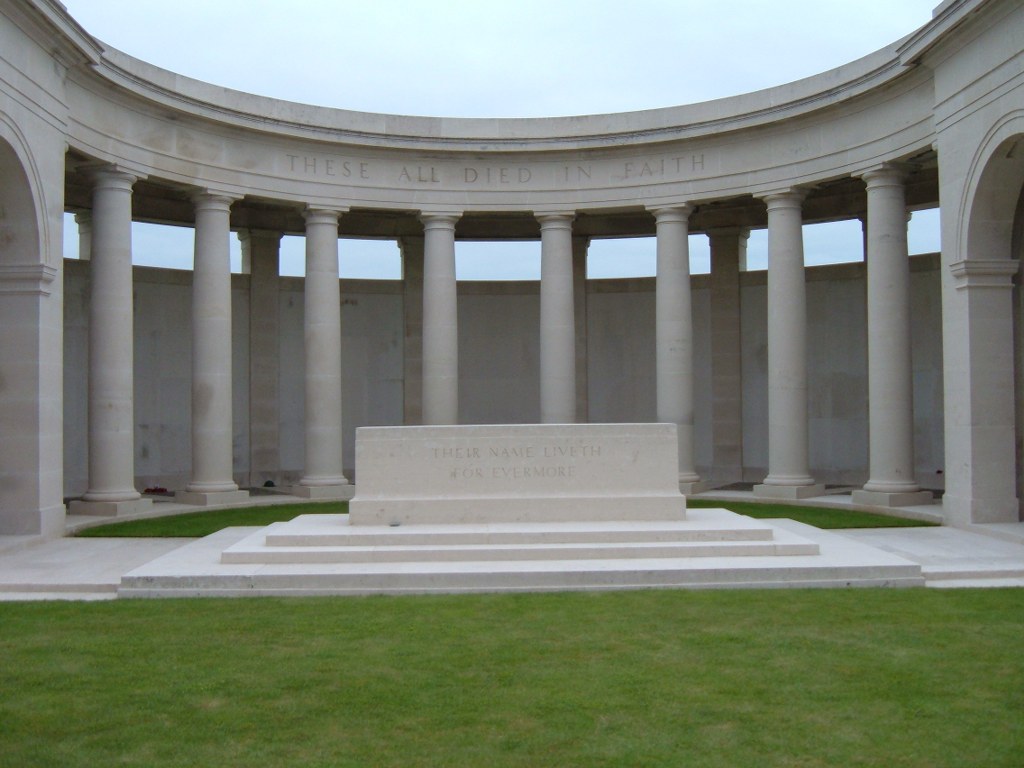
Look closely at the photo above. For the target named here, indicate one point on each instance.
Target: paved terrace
(70, 568)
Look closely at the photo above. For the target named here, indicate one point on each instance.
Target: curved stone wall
(741, 367)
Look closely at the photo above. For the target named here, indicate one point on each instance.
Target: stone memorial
(893, 375)
(516, 474)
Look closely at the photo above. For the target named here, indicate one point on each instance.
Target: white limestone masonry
(516, 474)
(895, 377)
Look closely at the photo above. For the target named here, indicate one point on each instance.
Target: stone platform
(515, 508)
(324, 555)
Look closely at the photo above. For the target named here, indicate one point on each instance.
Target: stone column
(412, 303)
(111, 399)
(580, 246)
(212, 481)
(84, 222)
(674, 335)
(890, 383)
(440, 320)
(728, 252)
(557, 321)
(323, 477)
(788, 473)
(261, 259)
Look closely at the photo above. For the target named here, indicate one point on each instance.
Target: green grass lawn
(819, 517)
(204, 523)
(796, 678)
(200, 524)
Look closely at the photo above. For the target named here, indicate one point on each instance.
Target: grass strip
(199, 524)
(772, 678)
(819, 517)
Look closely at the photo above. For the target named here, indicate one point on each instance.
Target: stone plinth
(516, 474)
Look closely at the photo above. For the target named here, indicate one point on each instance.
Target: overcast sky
(490, 58)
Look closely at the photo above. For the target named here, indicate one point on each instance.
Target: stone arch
(21, 230)
(990, 335)
(990, 202)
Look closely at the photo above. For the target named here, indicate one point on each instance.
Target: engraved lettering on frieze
(638, 170)
(498, 175)
(420, 173)
(311, 165)
(577, 173)
(664, 168)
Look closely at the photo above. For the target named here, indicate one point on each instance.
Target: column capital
(555, 219)
(440, 219)
(740, 233)
(209, 200)
(266, 235)
(885, 175)
(321, 215)
(111, 177)
(785, 198)
(669, 213)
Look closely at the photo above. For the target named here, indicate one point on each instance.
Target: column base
(109, 508)
(886, 499)
(324, 492)
(789, 491)
(210, 498)
(690, 487)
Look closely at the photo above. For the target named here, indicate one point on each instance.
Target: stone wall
(498, 361)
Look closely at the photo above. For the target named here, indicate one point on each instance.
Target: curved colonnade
(934, 119)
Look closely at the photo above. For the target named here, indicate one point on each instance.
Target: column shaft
(557, 321)
(890, 385)
(728, 252)
(674, 335)
(84, 222)
(412, 301)
(261, 254)
(788, 473)
(323, 472)
(580, 247)
(440, 321)
(211, 351)
(111, 398)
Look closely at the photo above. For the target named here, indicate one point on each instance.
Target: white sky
(508, 58)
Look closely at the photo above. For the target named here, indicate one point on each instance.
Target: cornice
(186, 98)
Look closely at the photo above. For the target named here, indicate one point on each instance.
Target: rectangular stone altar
(525, 473)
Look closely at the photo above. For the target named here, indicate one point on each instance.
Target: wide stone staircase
(323, 554)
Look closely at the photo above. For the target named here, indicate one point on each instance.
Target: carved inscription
(523, 462)
(547, 175)
(309, 165)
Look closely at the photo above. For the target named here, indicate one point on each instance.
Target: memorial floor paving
(92, 569)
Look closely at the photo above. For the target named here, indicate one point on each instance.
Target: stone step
(421, 578)
(25, 597)
(197, 569)
(334, 531)
(246, 552)
(977, 583)
(50, 587)
(972, 571)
